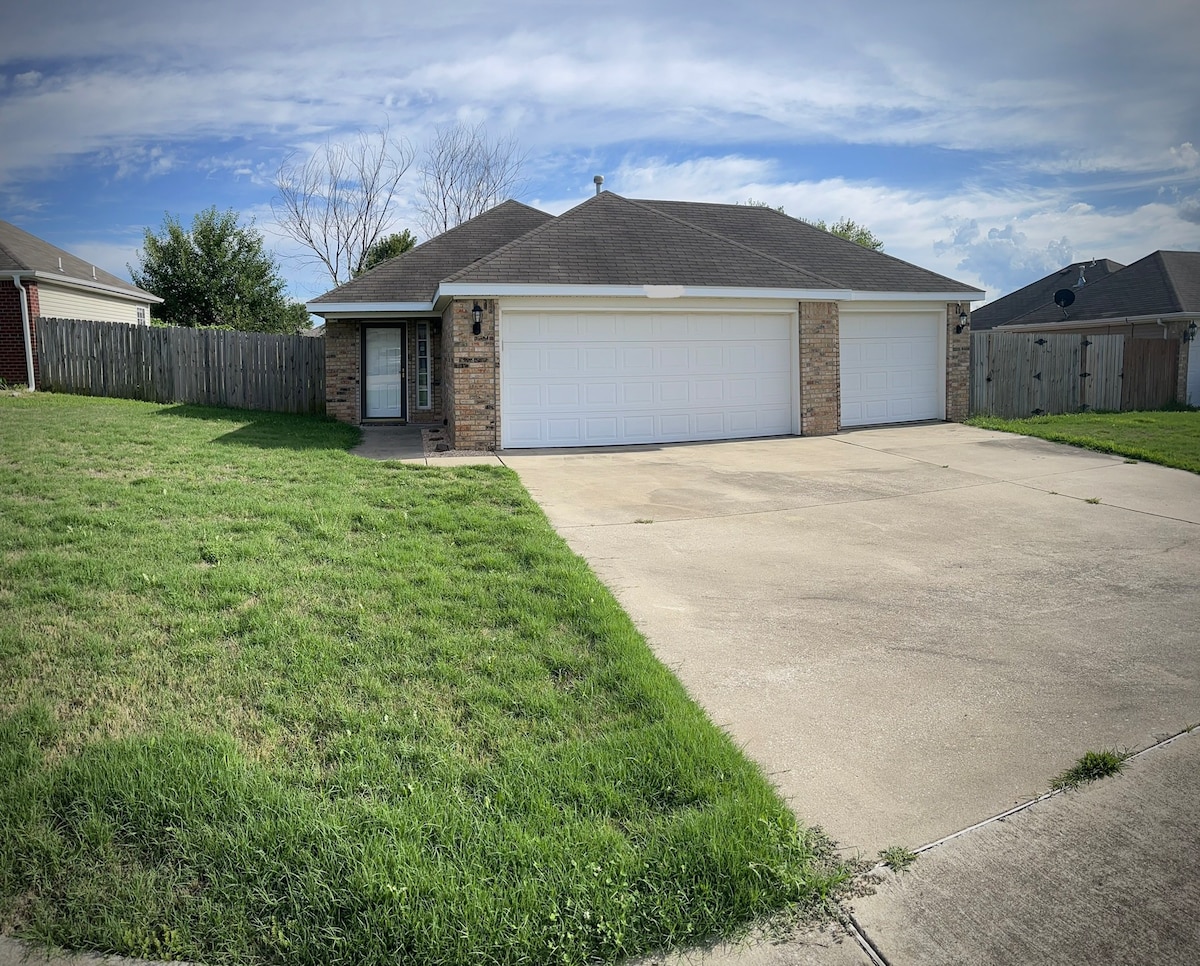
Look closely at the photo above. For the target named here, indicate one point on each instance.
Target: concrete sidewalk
(1106, 874)
(404, 444)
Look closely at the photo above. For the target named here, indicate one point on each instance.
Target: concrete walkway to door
(911, 628)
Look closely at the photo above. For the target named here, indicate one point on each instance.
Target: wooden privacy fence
(210, 367)
(1017, 374)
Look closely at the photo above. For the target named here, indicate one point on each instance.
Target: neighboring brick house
(38, 280)
(627, 321)
(1157, 297)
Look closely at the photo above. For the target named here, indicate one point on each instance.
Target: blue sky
(992, 142)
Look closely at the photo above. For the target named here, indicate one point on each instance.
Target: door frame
(362, 368)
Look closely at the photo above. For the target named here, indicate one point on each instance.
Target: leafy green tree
(851, 231)
(389, 246)
(217, 273)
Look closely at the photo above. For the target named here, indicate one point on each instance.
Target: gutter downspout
(25, 328)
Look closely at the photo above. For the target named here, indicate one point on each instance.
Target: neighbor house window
(141, 314)
(424, 396)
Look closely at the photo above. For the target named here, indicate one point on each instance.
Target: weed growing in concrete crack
(897, 857)
(1093, 765)
(1092, 499)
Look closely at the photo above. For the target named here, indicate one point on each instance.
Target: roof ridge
(491, 256)
(468, 222)
(1173, 286)
(782, 214)
(728, 240)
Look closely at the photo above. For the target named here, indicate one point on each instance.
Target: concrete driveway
(911, 628)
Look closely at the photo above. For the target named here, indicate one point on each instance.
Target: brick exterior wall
(820, 369)
(434, 415)
(12, 333)
(958, 365)
(472, 376)
(343, 361)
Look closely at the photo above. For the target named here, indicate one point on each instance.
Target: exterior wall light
(963, 319)
(477, 317)
(1190, 332)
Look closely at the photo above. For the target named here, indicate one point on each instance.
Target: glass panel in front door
(385, 373)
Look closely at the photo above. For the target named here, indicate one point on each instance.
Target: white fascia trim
(87, 283)
(971, 296)
(474, 289)
(1092, 323)
(367, 309)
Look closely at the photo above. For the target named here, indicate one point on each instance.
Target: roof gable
(612, 240)
(22, 252)
(414, 275)
(1041, 293)
(1162, 283)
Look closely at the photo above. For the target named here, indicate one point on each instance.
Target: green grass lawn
(262, 701)
(1169, 437)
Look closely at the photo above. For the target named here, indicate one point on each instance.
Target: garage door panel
(637, 357)
(570, 380)
(890, 368)
(674, 392)
(599, 394)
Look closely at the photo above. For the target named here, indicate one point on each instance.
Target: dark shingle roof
(1162, 283)
(845, 263)
(414, 276)
(611, 240)
(1040, 293)
(23, 252)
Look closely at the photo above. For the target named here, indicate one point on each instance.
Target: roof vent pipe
(598, 181)
(60, 268)
(1082, 281)
(93, 271)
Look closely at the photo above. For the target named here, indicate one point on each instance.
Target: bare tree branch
(464, 174)
(338, 202)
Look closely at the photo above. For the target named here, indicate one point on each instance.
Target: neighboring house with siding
(40, 280)
(625, 321)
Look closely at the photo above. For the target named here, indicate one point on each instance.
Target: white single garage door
(891, 367)
(603, 378)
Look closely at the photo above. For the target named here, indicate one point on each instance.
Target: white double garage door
(599, 378)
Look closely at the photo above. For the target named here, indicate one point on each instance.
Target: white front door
(384, 372)
(595, 378)
(891, 367)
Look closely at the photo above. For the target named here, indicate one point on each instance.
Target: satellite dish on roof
(1062, 298)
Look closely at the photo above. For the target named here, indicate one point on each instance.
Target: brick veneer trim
(820, 369)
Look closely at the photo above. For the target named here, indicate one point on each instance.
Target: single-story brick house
(626, 321)
(1156, 297)
(39, 280)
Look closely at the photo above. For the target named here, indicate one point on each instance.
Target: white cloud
(1185, 155)
(29, 78)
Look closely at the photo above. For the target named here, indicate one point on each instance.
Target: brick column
(343, 376)
(1181, 368)
(12, 332)
(820, 369)
(472, 406)
(958, 365)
